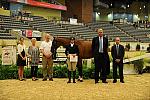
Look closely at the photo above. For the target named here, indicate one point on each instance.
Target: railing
(57, 60)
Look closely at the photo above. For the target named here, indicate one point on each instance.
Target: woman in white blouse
(21, 61)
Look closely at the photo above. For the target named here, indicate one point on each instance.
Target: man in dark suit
(100, 53)
(117, 52)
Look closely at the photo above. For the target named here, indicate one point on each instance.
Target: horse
(85, 50)
(85, 47)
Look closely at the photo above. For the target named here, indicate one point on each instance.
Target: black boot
(69, 76)
(74, 75)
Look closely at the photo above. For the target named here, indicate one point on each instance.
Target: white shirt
(46, 46)
(20, 48)
(101, 38)
(72, 44)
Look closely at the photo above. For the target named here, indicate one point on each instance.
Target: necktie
(100, 45)
(117, 49)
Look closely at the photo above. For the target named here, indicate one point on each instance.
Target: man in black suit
(117, 52)
(100, 53)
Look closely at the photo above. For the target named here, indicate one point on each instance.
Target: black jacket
(95, 51)
(95, 45)
(120, 54)
(72, 50)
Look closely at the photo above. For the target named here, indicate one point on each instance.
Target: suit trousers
(100, 66)
(120, 65)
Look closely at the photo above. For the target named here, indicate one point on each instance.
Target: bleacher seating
(51, 27)
(111, 31)
(140, 35)
(4, 34)
(81, 31)
(126, 32)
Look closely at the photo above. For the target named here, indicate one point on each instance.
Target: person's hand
(24, 58)
(48, 55)
(117, 60)
(68, 55)
(74, 55)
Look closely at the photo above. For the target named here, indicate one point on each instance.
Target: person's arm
(24, 47)
(123, 52)
(29, 51)
(66, 51)
(107, 43)
(112, 53)
(42, 48)
(19, 50)
(38, 51)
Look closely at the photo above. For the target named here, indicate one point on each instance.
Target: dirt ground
(136, 87)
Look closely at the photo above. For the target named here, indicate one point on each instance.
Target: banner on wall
(8, 55)
(24, 33)
(41, 4)
(36, 34)
(18, 31)
(73, 21)
(28, 33)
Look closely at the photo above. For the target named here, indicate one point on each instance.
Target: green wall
(4, 12)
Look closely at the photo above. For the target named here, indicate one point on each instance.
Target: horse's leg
(79, 66)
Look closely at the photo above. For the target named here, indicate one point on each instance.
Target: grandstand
(126, 32)
(141, 35)
(57, 25)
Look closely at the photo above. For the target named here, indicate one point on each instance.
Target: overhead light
(144, 6)
(111, 4)
(140, 8)
(98, 13)
(128, 6)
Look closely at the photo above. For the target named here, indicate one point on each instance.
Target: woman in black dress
(21, 61)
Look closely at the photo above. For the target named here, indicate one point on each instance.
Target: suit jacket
(120, 53)
(72, 50)
(95, 45)
(95, 51)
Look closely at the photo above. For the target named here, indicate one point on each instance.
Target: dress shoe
(114, 81)
(96, 82)
(104, 82)
(33, 79)
(81, 80)
(44, 79)
(122, 81)
(50, 79)
(69, 81)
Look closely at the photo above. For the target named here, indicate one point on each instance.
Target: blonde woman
(21, 61)
(34, 55)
